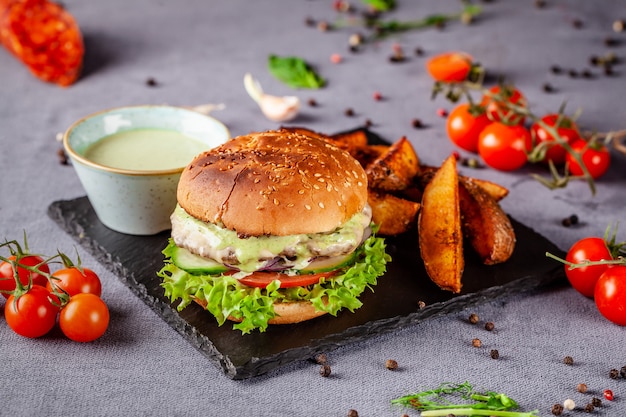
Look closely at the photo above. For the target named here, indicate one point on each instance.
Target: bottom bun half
(286, 313)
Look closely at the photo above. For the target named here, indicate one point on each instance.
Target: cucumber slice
(194, 264)
(329, 264)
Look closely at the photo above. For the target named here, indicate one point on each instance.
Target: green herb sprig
(445, 400)
(382, 28)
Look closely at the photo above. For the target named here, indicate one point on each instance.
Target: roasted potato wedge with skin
(351, 140)
(393, 215)
(497, 191)
(368, 154)
(395, 169)
(439, 227)
(485, 225)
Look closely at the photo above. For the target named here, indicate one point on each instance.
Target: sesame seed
(321, 204)
(306, 206)
(276, 202)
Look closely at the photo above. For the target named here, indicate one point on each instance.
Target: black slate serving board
(404, 295)
(394, 304)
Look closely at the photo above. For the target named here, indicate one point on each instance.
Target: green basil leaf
(295, 72)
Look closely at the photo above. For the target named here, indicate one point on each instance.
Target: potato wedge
(350, 140)
(394, 169)
(393, 215)
(497, 191)
(485, 224)
(439, 227)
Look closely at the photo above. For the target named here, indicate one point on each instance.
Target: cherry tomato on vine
(32, 314)
(595, 157)
(504, 147)
(450, 66)
(73, 281)
(496, 106)
(84, 318)
(566, 130)
(464, 128)
(584, 279)
(610, 294)
(7, 280)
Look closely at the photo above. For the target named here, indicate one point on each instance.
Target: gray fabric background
(198, 51)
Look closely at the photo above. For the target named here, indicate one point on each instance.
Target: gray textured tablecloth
(197, 52)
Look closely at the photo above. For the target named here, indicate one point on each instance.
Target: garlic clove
(275, 108)
(279, 109)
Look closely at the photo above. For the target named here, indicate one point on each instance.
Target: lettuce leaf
(225, 296)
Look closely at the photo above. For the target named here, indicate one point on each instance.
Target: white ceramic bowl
(131, 201)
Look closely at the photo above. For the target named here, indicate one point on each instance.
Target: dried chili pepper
(44, 37)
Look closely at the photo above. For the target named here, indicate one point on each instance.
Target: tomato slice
(262, 279)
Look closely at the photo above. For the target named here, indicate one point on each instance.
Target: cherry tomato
(584, 279)
(464, 128)
(450, 66)
(32, 314)
(595, 157)
(610, 294)
(504, 147)
(84, 318)
(73, 281)
(263, 279)
(7, 281)
(496, 106)
(567, 131)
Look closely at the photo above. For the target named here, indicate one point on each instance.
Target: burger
(272, 228)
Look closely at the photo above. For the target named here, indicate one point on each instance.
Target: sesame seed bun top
(274, 183)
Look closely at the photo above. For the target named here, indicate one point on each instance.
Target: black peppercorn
(489, 326)
(556, 69)
(419, 51)
(325, 370)
(557, 409)
(614, 374)
(62, 157)
(597, 402)
(494, 354)
(587, 74)
(573, 73)
(570, 221)
(349, 112)
(151, 82)
(589, 408)
(622, 372)
(548, 88)
(312, 102)
(568, 360)
(417, 123)
(353, 413)
(577, 23)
